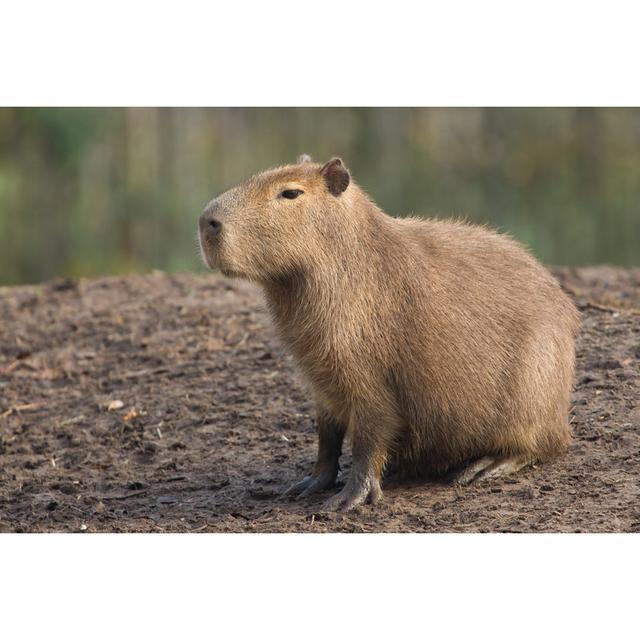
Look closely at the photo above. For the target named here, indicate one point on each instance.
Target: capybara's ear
(304, 158)
(336, 176)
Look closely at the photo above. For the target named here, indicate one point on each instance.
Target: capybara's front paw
(318, 481)
(365, 489)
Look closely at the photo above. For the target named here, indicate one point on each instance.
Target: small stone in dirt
(547, 487)
(83, 527)
(114, 405)
(132, 415)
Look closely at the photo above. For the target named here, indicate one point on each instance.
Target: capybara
(433, 345)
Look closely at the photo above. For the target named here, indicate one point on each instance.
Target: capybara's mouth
(210, 252)
(212, 257)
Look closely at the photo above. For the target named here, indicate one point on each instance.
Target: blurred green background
(85, 192)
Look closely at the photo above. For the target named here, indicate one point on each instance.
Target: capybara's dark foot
(366, 489)
(318, 481)
(489, 468)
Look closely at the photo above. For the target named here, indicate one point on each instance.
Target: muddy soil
(166, 403)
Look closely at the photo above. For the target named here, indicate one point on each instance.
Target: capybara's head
(267, 227)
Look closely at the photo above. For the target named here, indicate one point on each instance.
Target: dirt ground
(165, 403)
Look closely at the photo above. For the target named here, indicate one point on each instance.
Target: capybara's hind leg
(504, 467)
(488, 468)
(325, 471)
(470, 472)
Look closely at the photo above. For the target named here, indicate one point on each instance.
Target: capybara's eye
(291, 194)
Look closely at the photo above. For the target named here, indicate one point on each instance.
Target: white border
(320, 53)
(318, 586)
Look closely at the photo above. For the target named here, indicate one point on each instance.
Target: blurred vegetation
(101, 191)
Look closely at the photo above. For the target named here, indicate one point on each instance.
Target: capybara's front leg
(370, 444)
(363, 484)
(330, 436)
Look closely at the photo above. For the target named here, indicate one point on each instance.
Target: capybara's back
(429, 344)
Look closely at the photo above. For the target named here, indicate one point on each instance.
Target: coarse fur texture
(428, 343)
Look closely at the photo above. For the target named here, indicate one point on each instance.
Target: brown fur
(429, 343)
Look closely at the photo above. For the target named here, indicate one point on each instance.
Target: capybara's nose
(209, 224)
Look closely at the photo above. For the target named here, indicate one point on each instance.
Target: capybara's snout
(210, 224)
